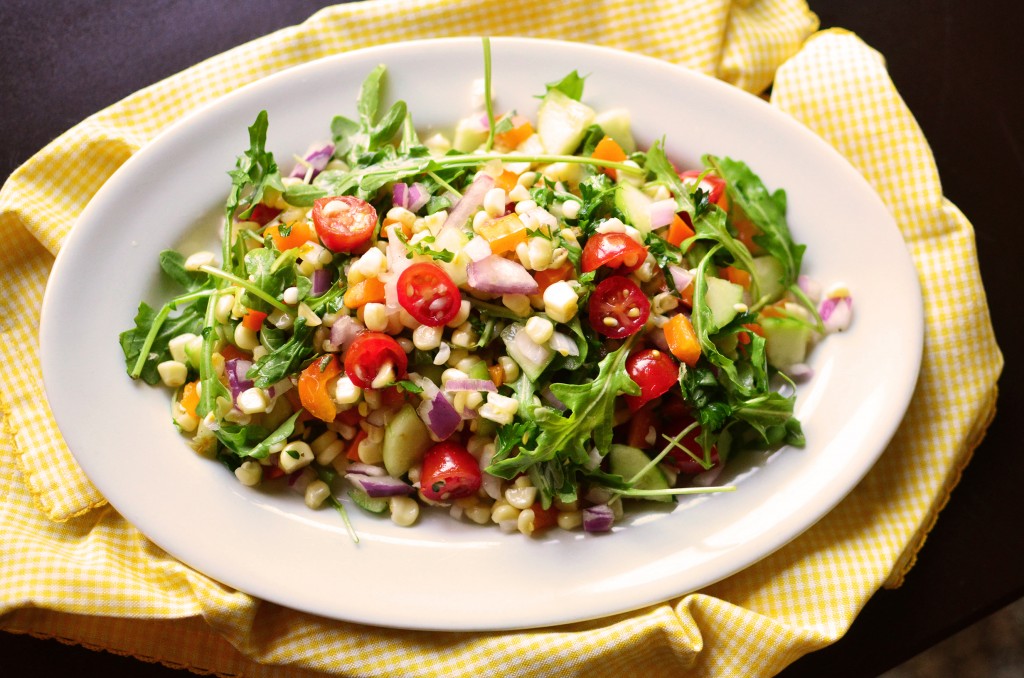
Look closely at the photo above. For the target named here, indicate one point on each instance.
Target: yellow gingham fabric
(73, 569)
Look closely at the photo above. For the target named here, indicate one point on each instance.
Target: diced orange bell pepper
(678, 231)
(609, 149)
(497, 374)
(520, 132)
(352, 454)
(543, 518)
(313, 391)
(190, 398)
(232, 352)
(363, 293)
(503, 234)
(550, 276)
(682, 340)
(737, 276)
(506, 181)
(299, 234)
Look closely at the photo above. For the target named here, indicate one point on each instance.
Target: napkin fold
(75, 570)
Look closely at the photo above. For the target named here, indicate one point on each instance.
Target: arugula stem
(158, 322)
(340, 508)
(677, 490)
(673, 442)
(444, 184)
(250, 288)
(487, 94)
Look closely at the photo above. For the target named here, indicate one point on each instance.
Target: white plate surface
(443, 574)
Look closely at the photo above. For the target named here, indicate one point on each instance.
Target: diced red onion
(563, 343)
(477, 249)
(410, 196)
(469, 202)
(680, 276)
(707, 478)
(836, 313)
(316, 158)
(800, 372)
(490, 484)
(321, 281)
(280, 388)
(397, 262)
(662, 212)
(551, 399)
(430, 389)
(366, 469)
(809, 286)
(236, 369)
(455, 385)
(598, 518)
(498, 275)
(440, 416)
(343, 332)
(379, 486)
(300, 480)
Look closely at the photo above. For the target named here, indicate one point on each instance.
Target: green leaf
(173, 265)
(261, 271)
(163, 328)
(766, 210)
(369, 98)
(571, 86)
(286, 359)
(389, 125)
(591, 405)
(302, 195)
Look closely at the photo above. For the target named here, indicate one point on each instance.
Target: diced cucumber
(785, 341)
(635, 205)
(562, 122)
(722, 297)
(479, 371)
(628, 461)
(469, 135)
(617, 124)
(366, 502)
(514, 345)
(769, 275)
(406, 438)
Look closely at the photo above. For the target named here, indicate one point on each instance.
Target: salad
(529, 322)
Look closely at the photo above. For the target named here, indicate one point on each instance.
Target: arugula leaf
(766, 210)
(344, 133)
(255, 170)
(264, 275)
(286, 359)
(571, 86)
(369, 97)
(146, 345)
(591, 138)
(383, 132)
(421, 247)
(598, 194)
(173, 265)
(302, 195)
(564, 438)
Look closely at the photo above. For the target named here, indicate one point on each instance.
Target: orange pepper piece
(550, 276)
(678, 231)
(520, 132)
(253, 320)
(299, 235)
(313, 391)
(363, 293)
(609, 149)
(737, 276)
(190, 398)
(506, 181)
(682, 340)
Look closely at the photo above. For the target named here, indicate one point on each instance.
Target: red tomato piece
(714, 185)
(618, 308)
(685, 461)
(614, 250)
(262, 213)
(449, 472)
(369, 353)
(654, 371)
(429, 294)
(344, 223)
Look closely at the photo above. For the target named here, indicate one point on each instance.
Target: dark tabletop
(957, 64)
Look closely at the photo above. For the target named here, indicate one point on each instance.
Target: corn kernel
(172, 373)
(561, 301)
(249, 473)
(316, 493)
(404, 510)
(294, 456)
(539, 329)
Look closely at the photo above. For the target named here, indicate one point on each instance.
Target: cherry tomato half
(714, 185)
(618, 308)
(654, 371)
(614, 250)
(449, 472)
(429, 294)
(369, 353)
(344, 223)
(675, 417)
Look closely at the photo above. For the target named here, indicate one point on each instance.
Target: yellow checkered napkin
(74, 569)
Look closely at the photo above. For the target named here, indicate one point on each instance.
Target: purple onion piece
(316, 158)
(498, 275)
(455, 385)
(400, 195)
(366, 469)
(563, 343)
(379, 486)
(551, 399)
(478, 248)
(321, 282)
(236, 369)
(463, 209)
(343, 332)
(836, 313)
(662, 212)
(707, 478)
(680, 276)
(418, 197)
(440, 416)
(598, 518)
(280, 388)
